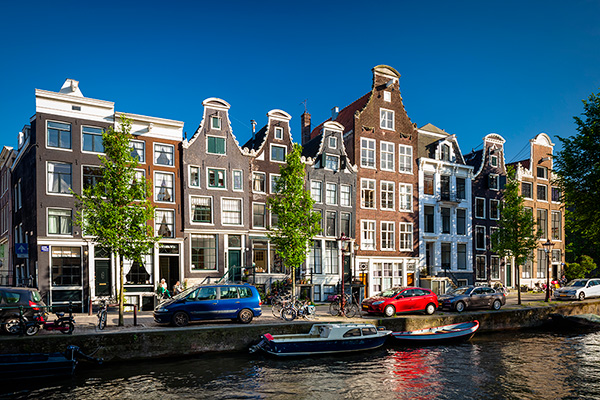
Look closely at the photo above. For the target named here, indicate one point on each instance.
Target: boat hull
(440, 334)
(304, 348)
(35, 366)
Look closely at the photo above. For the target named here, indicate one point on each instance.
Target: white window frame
(212, 210)
(254, 190)
(48, 221)
(142, 160)
(224, 171)
(545, 177)
(496, 177)
(484, 237)
(367, 151)
(387, 119)
(368, 237)
(345, 196)
(363, 190)
(278, 133)
(403, 154)
(157, 223)
(482, 216)
(387, 232)
(405, 229)
(215, 118)
(313, 191)
(190, 180)
(329, 199)
(494, 161)
(405, 190)
(387, 194)
(337, 162)
(387, 96)
(332, 142)
(241, 173)
(497, 216)
(264, 215)
(48, 192)
(70, 148)
(537, 192)
(241, 212)
(284, 153)
(272, 181)
(154, 159)
(157, 189)
(91, 134)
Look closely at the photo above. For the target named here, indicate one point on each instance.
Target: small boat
(454, 332)
(40, 365)
(327, 338)
(581, 320)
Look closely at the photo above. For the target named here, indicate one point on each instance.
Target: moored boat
(581, 320)
(445, 333)
(325, 338)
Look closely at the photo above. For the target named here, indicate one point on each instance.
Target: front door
(102, 277)
(235, 265)
(169, 270)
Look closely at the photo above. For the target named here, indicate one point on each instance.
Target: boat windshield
(459, 291)
(388, 293)
(577, 283)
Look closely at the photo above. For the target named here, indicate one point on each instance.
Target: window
(494, 161)
(494, 209)
(479, 208)
(387, 96)
(386, 119)
(445, 220)
(526, 190)
(278, 153)
(58, 135)
(331, 257)
(556, 256)
(215, 122)
(493, 181)
(480, 268)
(445, 152)
(367, 193)
(331, 190)
(274, 220)
(405, 192)
(405, 158)
(388, 193)
(215, 145)
(332, 162)
(367, 153)
(194, 177)
(163, 154)
(542, 172)
(92, 139)
(18, 196)
(527, 267)
(202, 209)
(346, 224)
(480, 237)
(163, 187)
(259, 182)
(60, 222)
(259, 213)
(542, 264)
(315, 191)
(387, 235)
(461, 221)
(542, 193)
(274, 179)
(556, 225)
(216, 178)
(278, 133)
(91, 176)
(315, 257)
(231, 211)
(555, 194)
(495, 268)
(138, 150)
(406, 236)
(461, 256)
(59, 178)
(66, 266)
(164, 223)
(368, 235)
(320, 214)
(429, 219)
(238, 180)
(345, 195)
(387, 156)
(494, 231)
(204, 252)
(445, 187)
(331, 223)
(332, 142)
(461, 191)
(542, 222)
(428, 186)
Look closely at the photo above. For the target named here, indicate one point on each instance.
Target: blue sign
(45, 249)
(22, 250)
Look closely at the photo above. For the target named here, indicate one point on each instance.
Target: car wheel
(581, 296)
(430, 309)
(180, 319)
(245, 316)
(460, 306)
(496, 305)
(389, 311)
(11, 326)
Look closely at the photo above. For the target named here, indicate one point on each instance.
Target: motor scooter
(62, 323)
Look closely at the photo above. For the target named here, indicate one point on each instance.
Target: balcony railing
(450, 197)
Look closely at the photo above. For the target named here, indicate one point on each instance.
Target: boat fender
(268, 336)
(381, 328)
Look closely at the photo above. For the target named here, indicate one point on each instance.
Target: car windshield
(185, 293)
(577, 283)
(388, 293)
(459, 291)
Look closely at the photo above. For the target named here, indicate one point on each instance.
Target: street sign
(22, 250)
(45, 249)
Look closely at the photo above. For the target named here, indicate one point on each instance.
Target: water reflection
(524, 365)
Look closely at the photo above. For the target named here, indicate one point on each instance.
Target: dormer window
(332, 162)
(445, 152)
(333, 142)
(386, 119)
(278, 133)
(215, 122)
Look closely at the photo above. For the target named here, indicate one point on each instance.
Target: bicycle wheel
(276, 309)
(289, 314)
(102, 319)
(310, 313)
(334, 308)
(351, 310)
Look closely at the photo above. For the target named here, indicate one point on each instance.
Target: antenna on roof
(304, 102)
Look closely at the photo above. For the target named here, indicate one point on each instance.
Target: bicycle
(279, 302)
(299, 309)
(349, 310)
(103, 313)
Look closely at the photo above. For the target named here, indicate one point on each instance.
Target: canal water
(521, 365)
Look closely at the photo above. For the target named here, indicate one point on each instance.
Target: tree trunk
(518, 283)
(121, 291)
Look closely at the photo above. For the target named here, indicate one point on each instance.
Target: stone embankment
(150, 341)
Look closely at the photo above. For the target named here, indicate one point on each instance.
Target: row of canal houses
(400, 205)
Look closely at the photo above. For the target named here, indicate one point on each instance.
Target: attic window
(494, 161)
(387, 96)
(215, 122)
(278, 133)
(332, 142)
(445, 152)
(76, 108)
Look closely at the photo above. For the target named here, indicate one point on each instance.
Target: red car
(401, 300)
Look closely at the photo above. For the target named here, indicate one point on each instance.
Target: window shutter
(211, 145)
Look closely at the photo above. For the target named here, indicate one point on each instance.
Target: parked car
(579, 289)
(401, 300)
(466, 297)
(10, 300)
(238, 302)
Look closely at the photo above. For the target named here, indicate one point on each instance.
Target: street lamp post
(344, 248)
(547, 247)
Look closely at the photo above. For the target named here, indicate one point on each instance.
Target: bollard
(90, 307)
(135, 315)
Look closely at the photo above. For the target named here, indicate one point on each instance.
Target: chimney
(253, 123)
(306, 128)
(334, 113)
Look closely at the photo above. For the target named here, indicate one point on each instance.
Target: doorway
(168, 264)
(235, 265)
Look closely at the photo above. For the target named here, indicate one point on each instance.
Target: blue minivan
(238, 302)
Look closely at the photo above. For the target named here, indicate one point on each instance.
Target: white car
(579, 289)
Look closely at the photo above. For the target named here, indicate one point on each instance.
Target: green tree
(116, 210)
(297, 223)
(577, 166)
(581, 269)
(517, 235)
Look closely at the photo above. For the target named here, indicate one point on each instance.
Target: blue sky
(516, 68)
